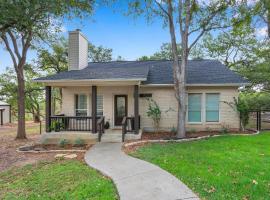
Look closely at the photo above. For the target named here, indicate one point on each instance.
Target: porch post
(48, 94)
(94, 109)
(136, 109)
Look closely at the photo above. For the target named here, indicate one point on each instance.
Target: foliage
(224, 129)
(99, 53)
(79, 142)
(55, 59)
(67, 179)
(23, 24)
(173, 130)
(165, 53)
(33, 91)
(187, 20)
(245, 47)
(241, 107)
(154, 113)
(219, 168)
(256, 100)
(63, 142)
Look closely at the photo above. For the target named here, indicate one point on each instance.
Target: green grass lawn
(57, 180)
(227, 167)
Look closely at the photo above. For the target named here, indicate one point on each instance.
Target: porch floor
(110, 135)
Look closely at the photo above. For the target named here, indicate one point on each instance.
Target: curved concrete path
(136, 179)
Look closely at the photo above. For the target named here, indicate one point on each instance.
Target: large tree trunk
(21, 134)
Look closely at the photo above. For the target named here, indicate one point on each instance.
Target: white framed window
(212, 107)
(81, 105)
(195, 107)
(99, 105)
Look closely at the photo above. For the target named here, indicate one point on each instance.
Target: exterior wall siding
(78, 51)
(6, 114)
(165, 98)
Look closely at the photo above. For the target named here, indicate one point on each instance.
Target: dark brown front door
(120, 108)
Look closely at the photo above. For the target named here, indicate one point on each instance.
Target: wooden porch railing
(128, 126)
(100, 126)
(70, 123)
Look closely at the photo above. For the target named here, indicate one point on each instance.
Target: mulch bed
(51, 147)
(170, 135)
(9, 157)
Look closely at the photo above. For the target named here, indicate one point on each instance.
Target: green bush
(79, 142)
(63, 142)
(173, 130)
(154, 113)
(224, 129)
(208, 129)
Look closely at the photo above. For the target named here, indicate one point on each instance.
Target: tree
(194, 19)
(165, 53)
(99, 53)
(24, 22)
(33, 91)
(55, 59)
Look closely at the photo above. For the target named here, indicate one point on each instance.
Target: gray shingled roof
(153, 72)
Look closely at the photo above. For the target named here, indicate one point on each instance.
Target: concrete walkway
(136, 179)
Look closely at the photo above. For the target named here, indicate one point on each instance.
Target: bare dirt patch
(9, 157)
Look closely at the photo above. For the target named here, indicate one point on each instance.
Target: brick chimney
(77, 50)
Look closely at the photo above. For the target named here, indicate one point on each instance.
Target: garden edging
(183, 140)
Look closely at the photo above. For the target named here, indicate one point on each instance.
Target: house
(117, 92)
(5, 113)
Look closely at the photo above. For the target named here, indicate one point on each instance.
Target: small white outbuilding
(5, 113)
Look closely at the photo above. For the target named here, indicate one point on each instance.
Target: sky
(128, 37)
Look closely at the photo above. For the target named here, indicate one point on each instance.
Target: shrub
(224, 129)
(154, 113)
(63, 142)
(173, 130)
(193, 130)
(79, 142)
(208, 129)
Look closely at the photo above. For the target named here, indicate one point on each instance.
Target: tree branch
(15, 46)
(10, 51)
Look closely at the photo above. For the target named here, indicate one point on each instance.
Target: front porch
(111, 135)
(86, 110)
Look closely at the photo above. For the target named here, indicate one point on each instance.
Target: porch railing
(128, 126)
(70, 123)
(100, 126)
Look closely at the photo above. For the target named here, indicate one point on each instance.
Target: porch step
(111, 137)
(117, 136)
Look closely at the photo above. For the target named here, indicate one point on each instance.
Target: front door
(120, 109)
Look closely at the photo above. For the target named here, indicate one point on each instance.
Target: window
(194, 107)
(81, 105)
(99, 105)
(212, 107)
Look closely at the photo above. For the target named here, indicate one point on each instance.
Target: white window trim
(203, 109)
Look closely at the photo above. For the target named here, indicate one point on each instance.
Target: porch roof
(208, 72)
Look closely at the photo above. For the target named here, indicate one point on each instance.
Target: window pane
(194, 116)
(81, 105)
(99, 105)
(194, 107)
(212, 107)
